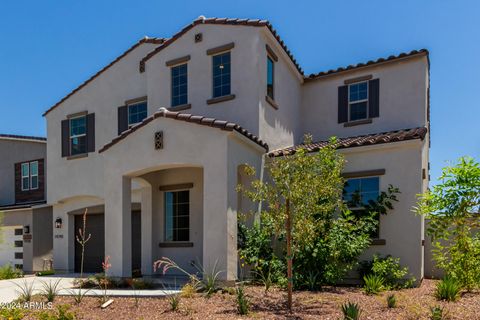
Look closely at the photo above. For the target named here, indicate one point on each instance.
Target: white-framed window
(137, 112)
(25, 176)
(358, 101)
(78, 135)
(177, 215)
(33, 175)
(179, 85)
(221, 74)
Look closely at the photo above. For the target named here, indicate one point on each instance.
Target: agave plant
(351, 311)
(373, 284)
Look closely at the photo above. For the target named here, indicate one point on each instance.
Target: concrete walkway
(9, 289)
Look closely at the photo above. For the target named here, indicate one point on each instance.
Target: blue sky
(48, 48)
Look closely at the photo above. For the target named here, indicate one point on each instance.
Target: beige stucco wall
(401, 228)
(102, 96)
(11, 152)
(403, 99)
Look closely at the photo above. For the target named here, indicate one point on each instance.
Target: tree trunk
(289, 254)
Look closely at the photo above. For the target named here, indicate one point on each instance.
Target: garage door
(95, 247)
(11, 246)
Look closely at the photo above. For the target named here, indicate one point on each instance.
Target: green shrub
(447, 289)
(174, 301)
(390, 270)
(45, 273)
(437, 313)
(8, 272)
(351, 311)
(11, 313)
(62, 313)
(373, 284)
(243, 305)
(25, 291)
(50, 290)
(391, 301)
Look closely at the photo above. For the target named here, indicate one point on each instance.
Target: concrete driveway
(9, 289)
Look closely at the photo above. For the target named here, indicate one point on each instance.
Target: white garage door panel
(7, 246)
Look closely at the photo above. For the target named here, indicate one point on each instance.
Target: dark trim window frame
(136, 112)
(29, 176)
(179, 84)
(358, 101)
(177, 215)
(221, 74)
(78, 135)
(270, 77)
(359, 192)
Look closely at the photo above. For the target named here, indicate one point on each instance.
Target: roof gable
(222, 21)
(140, 42)
(201, 120)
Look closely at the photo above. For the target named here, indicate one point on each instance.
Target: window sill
(221, 99)
(271, 102)
(378, 242)
(180, 107)
(77, 156)
(357, 123)
(174, 244)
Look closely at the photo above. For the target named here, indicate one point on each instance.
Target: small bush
(50, 290)
(62, 313)
(373, 284)
(437, 313)
(391, 301)
(45, 273)
(174, 301)
(389, 268)
(11, 313)
(8, 272)
(351, 311)
(447, 289)
(188, 291)
(243, 305)
(25, 291)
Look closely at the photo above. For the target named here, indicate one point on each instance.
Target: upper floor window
(78, 135)
(270, 77)
(137, 112)
(221, 74)
(29, 175)
(177, 215)
(358, 192)
(358, 101)
(179, 85)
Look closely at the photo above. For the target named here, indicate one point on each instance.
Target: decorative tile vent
(158, 140)
(198, 37)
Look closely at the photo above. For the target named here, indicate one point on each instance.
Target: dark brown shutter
(65, 138)
(122, 119)
(91, 132)
(18, 180)
(374, 98)
(342, 104)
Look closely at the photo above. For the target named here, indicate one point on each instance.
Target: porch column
(219, 221)
(118, 225)
(146, 222)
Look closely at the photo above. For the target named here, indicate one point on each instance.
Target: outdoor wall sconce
(26, 229)
(58, 223)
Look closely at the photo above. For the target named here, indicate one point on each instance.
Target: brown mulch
(411, 304)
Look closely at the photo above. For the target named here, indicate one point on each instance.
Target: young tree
(301, 190)
(453, 207)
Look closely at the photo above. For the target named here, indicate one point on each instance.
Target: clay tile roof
(211, 122)
(358, 141)
(224, 21)
(402, 55)
(141, 41)
(18, 137)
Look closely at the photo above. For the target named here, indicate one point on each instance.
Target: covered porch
(186, 186)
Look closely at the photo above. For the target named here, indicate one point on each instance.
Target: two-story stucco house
(26, 227)
(154, 144)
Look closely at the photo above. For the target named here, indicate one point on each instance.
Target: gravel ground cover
(411, 304)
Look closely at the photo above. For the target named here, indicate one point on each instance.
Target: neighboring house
(26, 229)
(154, 144)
